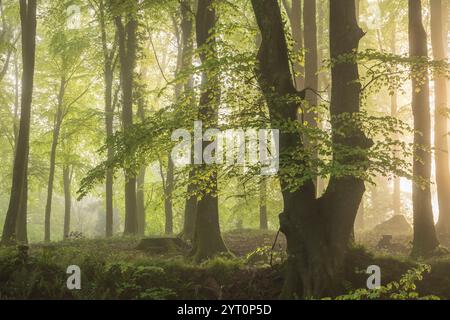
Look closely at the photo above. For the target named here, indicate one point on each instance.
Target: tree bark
(127, 54)
(311, 65)
(396, 196)
(207, 240)
(109, 56)
(140, 201)
(28, 26)
(168, 206)
(140, 193)
(440, 117)
(55, 140)
(295, 17)
(190, 209)
(67, 181)
(21, 224)
(317, 230)
(263, 225)
(425, 240)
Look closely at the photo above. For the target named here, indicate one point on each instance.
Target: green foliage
(404, 289)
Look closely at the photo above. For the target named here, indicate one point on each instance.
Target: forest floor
(116, 269)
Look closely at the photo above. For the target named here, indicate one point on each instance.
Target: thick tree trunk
(28, 26)
(207, 240)
(425, 240)
(127, 54)
(67, 181)
(317, 230)
(440, 117)
(263, 225)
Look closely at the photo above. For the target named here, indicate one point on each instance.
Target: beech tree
(438, 41)
(207, 240)
(425, 240)
(18, 196)
(126, 30)
(317, 230)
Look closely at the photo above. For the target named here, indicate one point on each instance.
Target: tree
(263, 225)
(425, 240)
(317, 230)
(109, 50)
(19, 182)
(207, 237)
(190, 208)
(294, 12)
(127, 54)
(438, 36)
(67, 181)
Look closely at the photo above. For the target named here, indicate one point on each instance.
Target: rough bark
(438, 34)
(127, 55)
(317, 230)
(28, 26)
(207, 240)
(425, 240)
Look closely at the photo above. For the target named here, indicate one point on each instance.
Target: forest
(224, 150)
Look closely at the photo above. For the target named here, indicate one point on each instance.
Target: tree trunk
(28, 26)
(440, 117)
(425, 240)
(127, 54)
(207, 240)
(190, 209)
(21, 224)
(263, 225)
(67, 181)
(108, 75)
(140, 193)
(311, 66)
(168, 206)
(140, 201)
(295, 17)
(317, 230)
(396, 196)
(51, 176)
